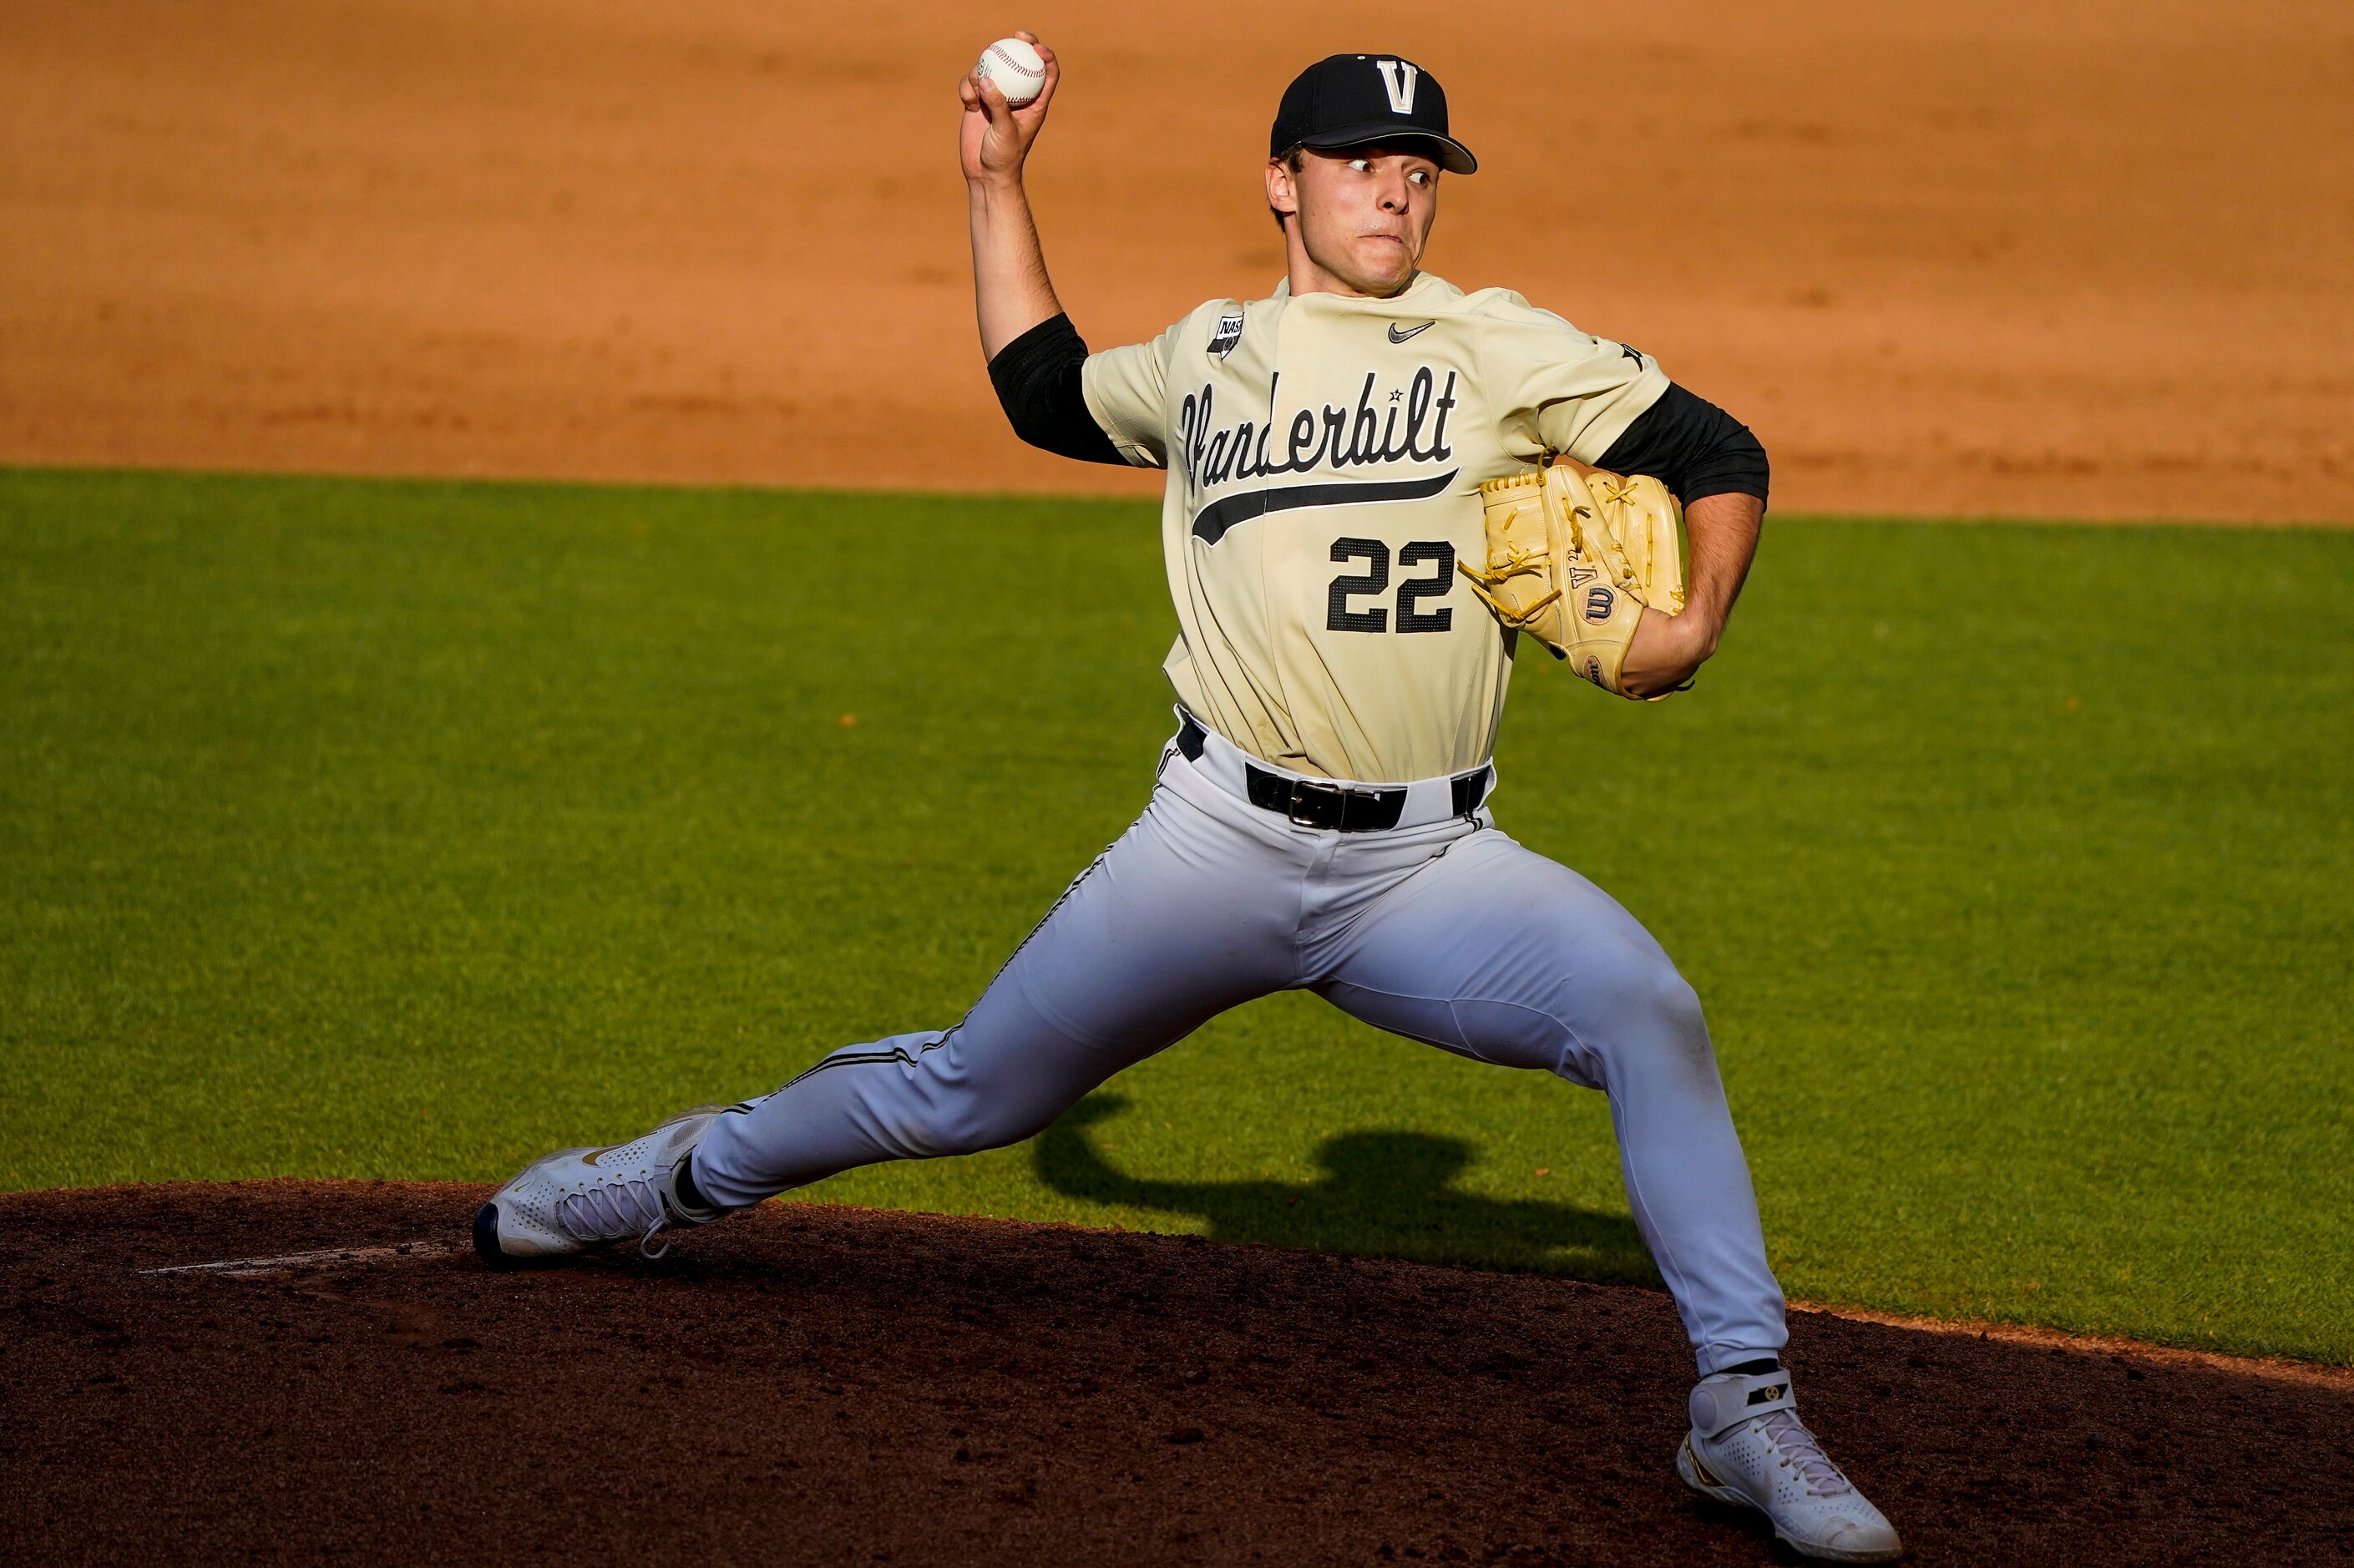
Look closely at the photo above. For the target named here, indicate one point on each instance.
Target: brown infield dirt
(2092, 260)
(833, 1385)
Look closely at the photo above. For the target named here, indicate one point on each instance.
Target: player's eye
(1361, 164)
(1420, 177)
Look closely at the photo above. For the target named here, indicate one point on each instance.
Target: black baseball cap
(1355, 101)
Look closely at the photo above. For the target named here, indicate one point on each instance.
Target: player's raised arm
(1009, 269)
(1035, 353)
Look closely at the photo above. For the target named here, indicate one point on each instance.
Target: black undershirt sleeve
(1037, 381)
(1692, 447)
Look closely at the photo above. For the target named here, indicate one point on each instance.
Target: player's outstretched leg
(1191, 913)
(1188, 915)
(1497, 953)
(576, 1200)
(1748, 1447)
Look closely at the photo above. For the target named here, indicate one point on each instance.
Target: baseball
(1015, 67)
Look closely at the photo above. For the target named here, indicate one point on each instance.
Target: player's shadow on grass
(1389, 1194)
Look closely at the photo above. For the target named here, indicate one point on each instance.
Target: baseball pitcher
(1382, 493)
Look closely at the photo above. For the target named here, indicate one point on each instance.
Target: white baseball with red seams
(1018, 70)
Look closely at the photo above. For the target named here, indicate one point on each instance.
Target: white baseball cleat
(1748, 1446)
(576, 1200)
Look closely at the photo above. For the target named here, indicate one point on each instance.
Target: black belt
(1328, 806)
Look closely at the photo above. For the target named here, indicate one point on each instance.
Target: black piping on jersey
(1211, 522)
(899, 1052)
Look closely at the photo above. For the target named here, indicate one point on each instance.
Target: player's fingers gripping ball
(1018, 69)
(1575, 555)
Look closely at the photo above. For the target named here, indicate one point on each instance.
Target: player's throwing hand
(994, 137)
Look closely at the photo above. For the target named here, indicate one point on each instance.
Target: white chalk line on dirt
(2311, 1373)
(250, 1267)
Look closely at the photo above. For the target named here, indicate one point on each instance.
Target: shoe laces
(1800, 1451)
(611, 1213)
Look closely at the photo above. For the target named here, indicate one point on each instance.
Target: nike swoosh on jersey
(1397, 336)
(1211, 522)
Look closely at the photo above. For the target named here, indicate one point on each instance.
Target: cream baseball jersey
(1324, 456)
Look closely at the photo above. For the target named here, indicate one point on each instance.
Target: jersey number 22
(1437, 554)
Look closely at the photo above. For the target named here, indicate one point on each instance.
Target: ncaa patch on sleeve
(1229, 332)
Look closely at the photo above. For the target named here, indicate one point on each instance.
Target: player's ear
(1283, 186)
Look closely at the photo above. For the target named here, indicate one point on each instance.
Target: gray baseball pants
(1441, 930)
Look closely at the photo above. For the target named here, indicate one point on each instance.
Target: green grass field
(406, 830)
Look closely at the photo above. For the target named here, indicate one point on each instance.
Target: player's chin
(1384, 262)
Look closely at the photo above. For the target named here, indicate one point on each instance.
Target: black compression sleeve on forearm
(1037, 381)
(1692, 447)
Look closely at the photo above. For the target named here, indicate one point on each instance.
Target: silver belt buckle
(1303, 791)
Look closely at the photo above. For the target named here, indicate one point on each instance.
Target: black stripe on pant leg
(845, 1059)
(1049, 914)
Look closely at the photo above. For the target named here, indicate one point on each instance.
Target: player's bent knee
(974, 1117)
(1639, 1001)
(964, 1125)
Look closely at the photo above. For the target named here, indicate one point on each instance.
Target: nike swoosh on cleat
(1397, 336)
(1699, 1469)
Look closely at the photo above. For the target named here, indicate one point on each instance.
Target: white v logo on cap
(1398, 77)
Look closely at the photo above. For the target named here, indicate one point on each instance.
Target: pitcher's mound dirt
(815, 1384)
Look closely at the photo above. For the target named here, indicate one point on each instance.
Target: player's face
(1364, 214)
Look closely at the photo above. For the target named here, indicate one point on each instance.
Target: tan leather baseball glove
(1575, 553)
